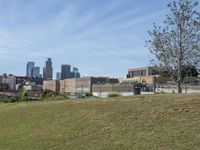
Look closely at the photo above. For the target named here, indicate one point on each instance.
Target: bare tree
(178, 42)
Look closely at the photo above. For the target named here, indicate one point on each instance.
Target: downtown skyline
(47, 71)
(100, 38)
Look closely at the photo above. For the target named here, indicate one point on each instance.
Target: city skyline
(67, 71)
(100, 38)
(32, 70)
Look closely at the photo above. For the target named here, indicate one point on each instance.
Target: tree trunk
(179, 79)
(180, 57)
(179, 87)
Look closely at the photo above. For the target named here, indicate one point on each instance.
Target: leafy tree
(189, 74)
(161, 79)
(163, 71)
(191, 80)
(189, 71)
(178, 42)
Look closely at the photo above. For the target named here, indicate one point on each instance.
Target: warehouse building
(76, 85)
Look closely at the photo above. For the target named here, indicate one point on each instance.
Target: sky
(100, 37)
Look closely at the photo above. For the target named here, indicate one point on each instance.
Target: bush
(65, 95)
(9, 99)
(53, 97)
(80, 95)
(114, 95)
(24, 95)
(88, 94)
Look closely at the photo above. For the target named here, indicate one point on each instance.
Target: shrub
(54, 97)
(65, 95)
(9, 99)
(24, 95)
(114, 95)
(81, 95)
(6, 100)
(88, 94)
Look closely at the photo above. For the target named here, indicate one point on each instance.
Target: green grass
(140, 122)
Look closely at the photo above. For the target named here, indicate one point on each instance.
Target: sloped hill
(139, 122)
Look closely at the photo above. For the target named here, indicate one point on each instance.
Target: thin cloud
(83, 34)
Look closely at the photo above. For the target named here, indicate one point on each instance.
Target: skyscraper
(58, 76)
(48, 70)
(36, 72)
(29, 68)
(65, 72)
(75, 73)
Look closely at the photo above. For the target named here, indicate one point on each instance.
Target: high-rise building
(65, 72)
(75, 73)
(58, 76)
(48, 70)
(29, 68)
(36, 72)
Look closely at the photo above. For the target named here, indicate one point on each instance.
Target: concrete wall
(69, 85)
(105, 94)
(62, 86)
(103, 90)
(78, 85)
(112, 88)
(173, 89)
(83, 85)
(147, 80)
(52, 85)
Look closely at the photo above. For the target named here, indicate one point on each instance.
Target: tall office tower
(58, 76)
(48, 70)
(65, 72)
(36, 72)
(29, 68)
(75, 73)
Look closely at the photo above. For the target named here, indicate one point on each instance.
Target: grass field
(140, 122)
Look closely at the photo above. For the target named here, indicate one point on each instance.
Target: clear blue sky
(100, 37)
